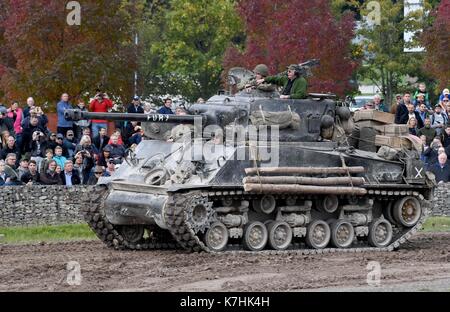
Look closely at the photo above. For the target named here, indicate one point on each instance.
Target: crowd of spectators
(428, 122)
(77, 153)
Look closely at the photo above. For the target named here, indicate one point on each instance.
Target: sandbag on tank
(282, 119)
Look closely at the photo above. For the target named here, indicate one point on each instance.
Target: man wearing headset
(294, 86)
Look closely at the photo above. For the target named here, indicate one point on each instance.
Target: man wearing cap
(135, 107)
(445, 95)
(99, 172)
(294, 86)
(438, 120)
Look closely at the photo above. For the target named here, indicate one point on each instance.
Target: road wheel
(407, 211)
(380, 233)
(342, 234)
(280, 235)
(318, 234)
(216, 237)
(255, 236)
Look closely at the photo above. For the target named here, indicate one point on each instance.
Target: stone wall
(442, 200)
(51, 205)
(41, 205)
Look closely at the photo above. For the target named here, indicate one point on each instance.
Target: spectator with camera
(432, 152)
(31, 131)
(36, 111)
(117, 151)
(32, 176)
(100, 104)
(50, 176)
(63, 124)
(38, 147)
(83, 166)
(86, 148)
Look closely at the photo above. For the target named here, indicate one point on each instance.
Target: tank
(251, 172)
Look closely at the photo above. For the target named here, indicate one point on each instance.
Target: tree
(51, 57)
(436, 38)
(384, 61)
(286, 32)
(188, 54)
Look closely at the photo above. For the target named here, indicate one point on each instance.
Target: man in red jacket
(100, 104)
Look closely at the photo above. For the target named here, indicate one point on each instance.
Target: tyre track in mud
(43, 267)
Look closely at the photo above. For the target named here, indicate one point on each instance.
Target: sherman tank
(252, 172)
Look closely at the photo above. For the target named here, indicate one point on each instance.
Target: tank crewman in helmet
(294, 86)
(261, 71)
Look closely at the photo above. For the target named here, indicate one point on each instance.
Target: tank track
(109, 233)
(176, 219)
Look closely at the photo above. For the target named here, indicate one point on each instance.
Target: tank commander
(261, 71)
(294, 86)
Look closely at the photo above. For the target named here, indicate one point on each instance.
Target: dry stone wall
(52, 205)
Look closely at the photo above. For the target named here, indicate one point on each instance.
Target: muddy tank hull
(302, 206)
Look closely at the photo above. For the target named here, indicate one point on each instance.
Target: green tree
(385, 62)
(186, 58)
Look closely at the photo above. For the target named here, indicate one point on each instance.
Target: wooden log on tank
(304, 170)
(303, 189)
(305, 180)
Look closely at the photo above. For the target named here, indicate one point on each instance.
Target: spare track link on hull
(176, 219)
(94, 215)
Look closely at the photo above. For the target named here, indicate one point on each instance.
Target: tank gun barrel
(77, 115)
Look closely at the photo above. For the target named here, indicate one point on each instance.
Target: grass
(74, 232)
(437, 224)
(33, 234)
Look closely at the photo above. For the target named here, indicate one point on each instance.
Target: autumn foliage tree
(43, 56)
(286, 32)
(436, 39)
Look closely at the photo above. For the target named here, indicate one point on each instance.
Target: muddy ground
(422, 264)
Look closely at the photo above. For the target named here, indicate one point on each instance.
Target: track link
(176, 218)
